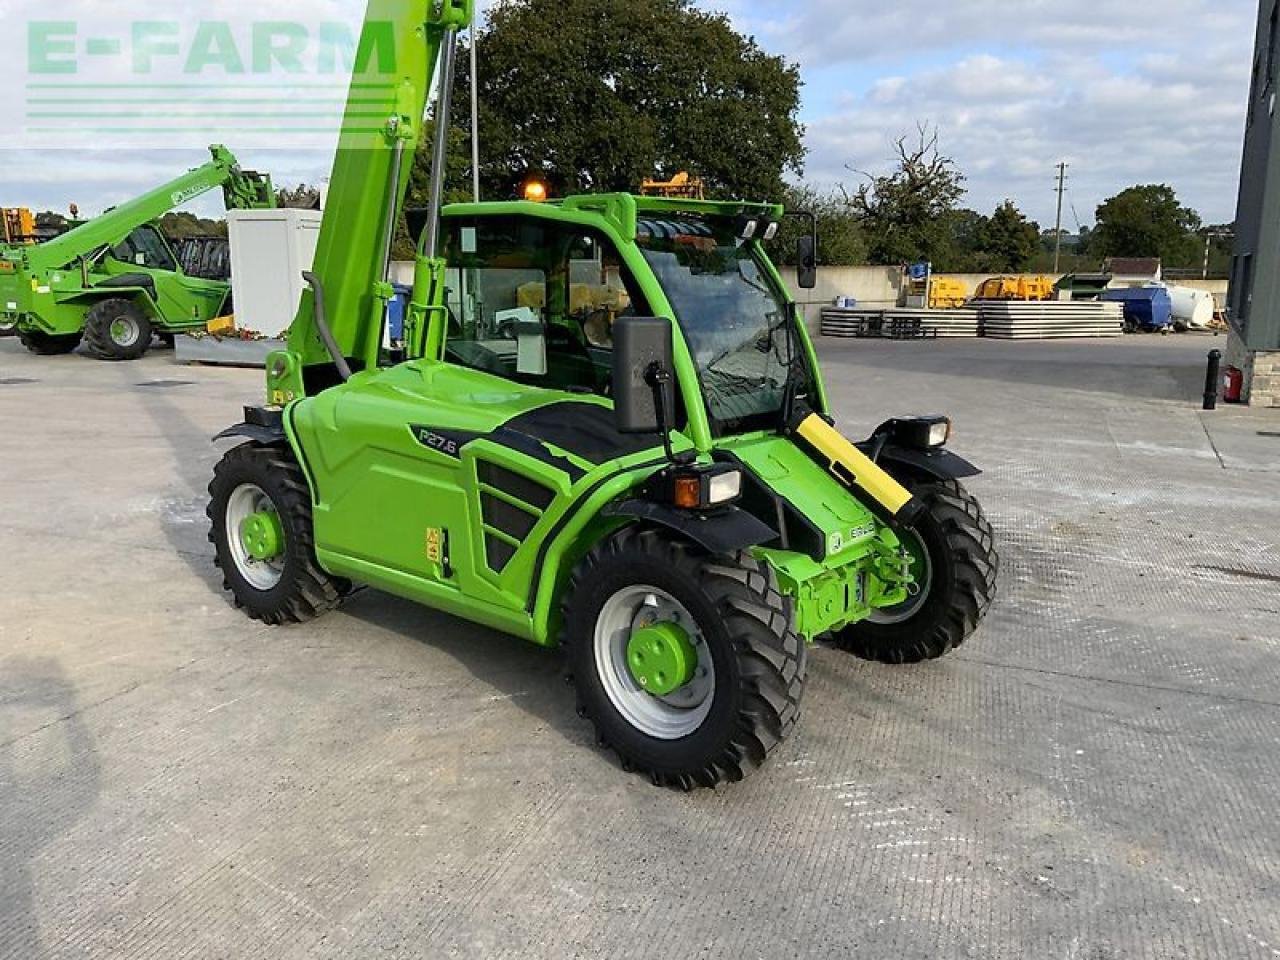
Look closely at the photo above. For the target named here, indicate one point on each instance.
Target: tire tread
(970, 539)
(312, 592)
(759, 621)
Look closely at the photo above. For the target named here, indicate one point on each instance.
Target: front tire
(49, 344)
(743, 695)
(117, 330)
(956, 566)
(259, 494)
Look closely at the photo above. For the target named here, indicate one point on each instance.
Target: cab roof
(621, 210)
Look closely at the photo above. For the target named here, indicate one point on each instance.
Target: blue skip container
(1145, 308)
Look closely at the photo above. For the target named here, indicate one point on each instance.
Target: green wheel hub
(662, 658)
(262, 534)
(124, 331)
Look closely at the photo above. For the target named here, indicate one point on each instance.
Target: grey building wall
(1254, 299)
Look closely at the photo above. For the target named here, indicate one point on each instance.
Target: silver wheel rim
(246, 500)
(911, 606)
(672, 717)
(124, 331)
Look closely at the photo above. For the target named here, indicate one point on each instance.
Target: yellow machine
(18, 224)
(946, 293)
(1016, 288)
(681, 187)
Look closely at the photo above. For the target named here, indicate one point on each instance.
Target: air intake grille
(511, 505)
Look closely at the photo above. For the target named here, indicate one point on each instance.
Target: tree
(840, 240)
(1147, 221)
(601, 95)
(180, 224)
(1009, 239)
(906, 215)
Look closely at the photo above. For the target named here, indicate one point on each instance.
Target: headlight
(939, 433)
(747, 228)
(706, 487)
(725, 487)
(918, 433)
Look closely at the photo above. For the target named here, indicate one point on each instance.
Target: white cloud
(1121, 102)
(832, 31)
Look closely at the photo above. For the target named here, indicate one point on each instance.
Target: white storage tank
(1192, 308)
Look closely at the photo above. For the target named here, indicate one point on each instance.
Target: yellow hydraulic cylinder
(856, 469)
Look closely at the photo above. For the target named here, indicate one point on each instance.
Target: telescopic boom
(242, 190)
(403, 45)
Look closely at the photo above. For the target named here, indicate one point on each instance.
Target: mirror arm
(659, 378)
(813, 225)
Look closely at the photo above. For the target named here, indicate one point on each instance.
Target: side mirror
(643, 365)
(807, 262)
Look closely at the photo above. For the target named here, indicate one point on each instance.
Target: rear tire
(292, 588)
(48, 344)
(117, 330)
(962, 567)
(744, 630)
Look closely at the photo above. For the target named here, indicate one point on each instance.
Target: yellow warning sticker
(435, 545)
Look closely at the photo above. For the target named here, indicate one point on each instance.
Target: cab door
(531, 303)
(183, 301)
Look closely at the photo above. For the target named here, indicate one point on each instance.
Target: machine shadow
(531, 677)
(189, 540)
(46, 786)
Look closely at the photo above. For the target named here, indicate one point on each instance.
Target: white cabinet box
(269, 251)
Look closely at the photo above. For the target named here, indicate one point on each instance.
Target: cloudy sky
(1155, 93)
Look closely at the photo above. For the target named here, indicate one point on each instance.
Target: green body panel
(863, 567)
(380, 492)
(49, 287)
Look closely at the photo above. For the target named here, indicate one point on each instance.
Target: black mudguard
(925, 464)
(263, 426)
(727, 531)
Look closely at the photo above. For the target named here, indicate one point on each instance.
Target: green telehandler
(114, 281)
(607, 431)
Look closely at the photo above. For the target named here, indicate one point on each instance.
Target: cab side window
(535, 301)
(145, 248)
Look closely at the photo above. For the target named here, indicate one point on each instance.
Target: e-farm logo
(211, 48)
(256, 82)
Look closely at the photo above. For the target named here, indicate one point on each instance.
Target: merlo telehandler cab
(608, 432)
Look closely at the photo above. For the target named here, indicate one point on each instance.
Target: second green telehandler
(608, 432)
(114, 281)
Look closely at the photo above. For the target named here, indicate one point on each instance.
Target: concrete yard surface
(1094, 776)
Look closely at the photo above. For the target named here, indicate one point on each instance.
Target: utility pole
(1209, 236)
(1057, 230)
(475, 116)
